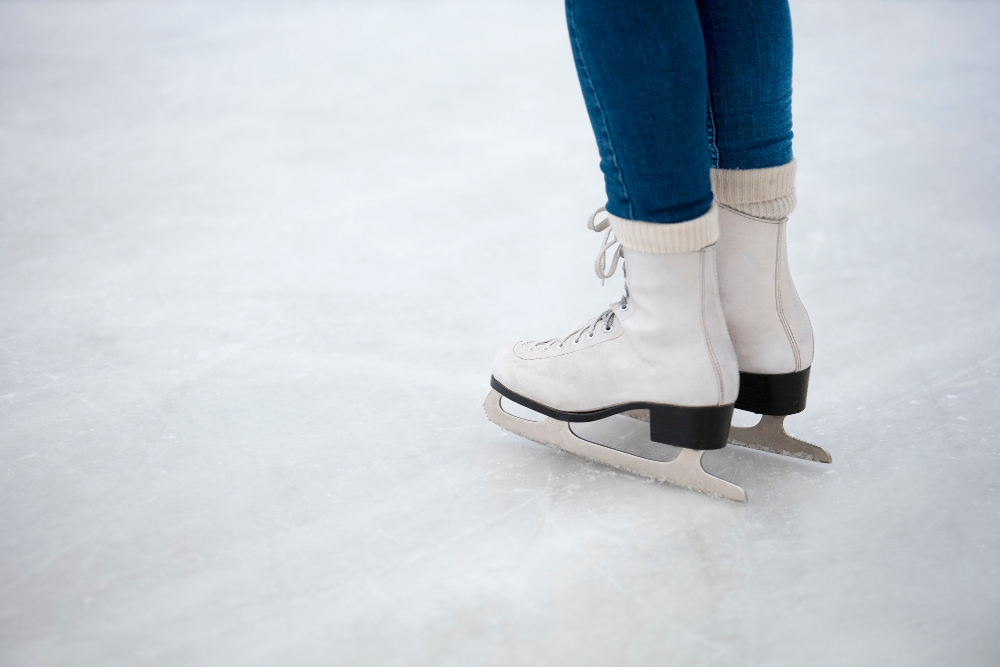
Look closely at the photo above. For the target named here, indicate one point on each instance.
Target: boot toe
(505, 365)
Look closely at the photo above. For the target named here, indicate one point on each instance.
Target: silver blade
(769, 435)
(686, 470)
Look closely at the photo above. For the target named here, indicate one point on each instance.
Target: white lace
(608, 242)
(608, 316)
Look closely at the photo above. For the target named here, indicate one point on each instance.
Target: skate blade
(769, 435)
(686, 470)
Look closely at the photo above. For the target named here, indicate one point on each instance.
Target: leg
(641, 66)
(748, 47)
(664, 347)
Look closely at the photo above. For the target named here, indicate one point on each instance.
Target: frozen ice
(255, 262)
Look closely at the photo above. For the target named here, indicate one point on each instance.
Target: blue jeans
(649, 69)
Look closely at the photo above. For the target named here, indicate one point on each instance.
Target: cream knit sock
(760, 193)
(661, 237)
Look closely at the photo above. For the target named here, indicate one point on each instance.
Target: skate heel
(778, 395)
(691, 428)
(774, 397)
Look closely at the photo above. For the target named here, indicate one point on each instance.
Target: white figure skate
(770, 330)
(663, 348)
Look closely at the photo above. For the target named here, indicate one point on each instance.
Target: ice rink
(256, 259)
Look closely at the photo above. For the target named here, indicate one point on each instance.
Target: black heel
(693, 428)
(776, 395)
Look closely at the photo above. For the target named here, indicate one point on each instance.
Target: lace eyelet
(576, 342)
(608, 329)
(559, 346)
(590, 335)
(624, 307)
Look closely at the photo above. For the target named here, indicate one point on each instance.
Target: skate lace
(600, 268)
(607, 243)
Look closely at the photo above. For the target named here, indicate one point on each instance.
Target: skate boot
(769, 326)
(663, 348)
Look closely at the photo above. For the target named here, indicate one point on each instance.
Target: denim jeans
(649, 70)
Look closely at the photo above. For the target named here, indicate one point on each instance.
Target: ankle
(760, 193)
(659, 237)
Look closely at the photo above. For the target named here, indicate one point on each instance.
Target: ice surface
(256, 261)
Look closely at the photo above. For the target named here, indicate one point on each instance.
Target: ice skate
(663, 348)
(769, 326)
